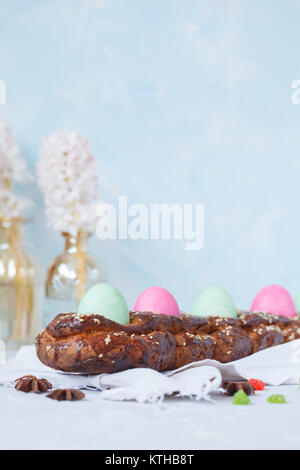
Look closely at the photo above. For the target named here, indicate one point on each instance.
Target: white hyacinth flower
(67, 176)
(13, 169)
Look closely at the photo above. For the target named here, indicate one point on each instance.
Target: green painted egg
(104, 299)
(214, 301)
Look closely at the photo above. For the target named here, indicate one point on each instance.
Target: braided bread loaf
(92, 344)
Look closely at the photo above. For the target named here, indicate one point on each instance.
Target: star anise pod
(66, 394)
(234, 386)
(29, 383)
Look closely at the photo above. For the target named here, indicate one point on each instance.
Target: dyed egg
(297, 304)
(158, 300)
(214, 301)
(104, 299)
(274, 299)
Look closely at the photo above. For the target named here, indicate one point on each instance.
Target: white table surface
(29, 421)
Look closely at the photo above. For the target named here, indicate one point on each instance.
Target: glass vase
(69, 276)
(21, 288)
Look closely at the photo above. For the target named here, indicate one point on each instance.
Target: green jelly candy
(241, 398)
(277, 399)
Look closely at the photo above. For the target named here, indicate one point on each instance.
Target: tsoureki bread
(92, 344)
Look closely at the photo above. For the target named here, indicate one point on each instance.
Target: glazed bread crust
(92, 344)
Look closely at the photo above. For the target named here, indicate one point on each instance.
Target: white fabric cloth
(275, 366)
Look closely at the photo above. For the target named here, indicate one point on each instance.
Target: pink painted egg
(274, 299)
(157, 300)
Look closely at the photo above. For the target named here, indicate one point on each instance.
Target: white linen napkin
(142, 385)
(198, 380)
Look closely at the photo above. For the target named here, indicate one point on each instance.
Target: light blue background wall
(182, 101)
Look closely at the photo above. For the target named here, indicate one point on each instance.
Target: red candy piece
(257, 384)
